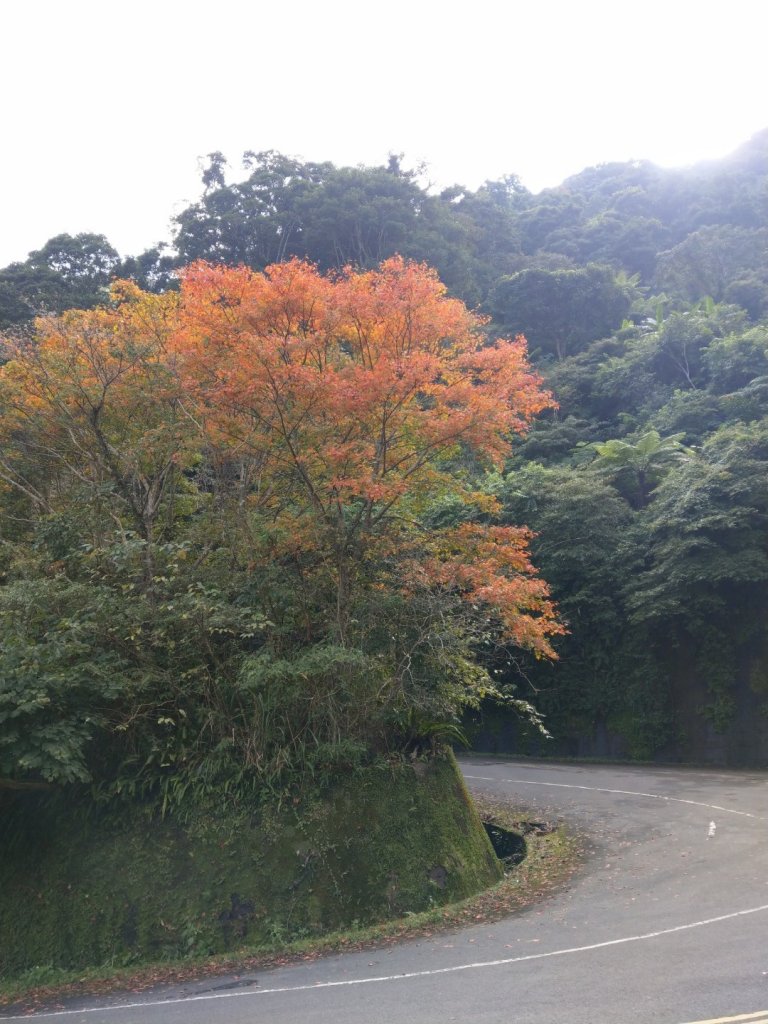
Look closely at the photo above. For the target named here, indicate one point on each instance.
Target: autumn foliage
(298, 430)
(357, 397)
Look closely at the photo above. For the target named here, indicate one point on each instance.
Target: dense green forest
(643, 294)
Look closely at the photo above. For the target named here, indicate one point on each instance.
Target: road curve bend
(667, 924)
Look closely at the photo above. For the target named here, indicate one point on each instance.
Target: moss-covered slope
(79, 890)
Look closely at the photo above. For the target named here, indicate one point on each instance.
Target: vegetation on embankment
(552, 857)
(78, 889)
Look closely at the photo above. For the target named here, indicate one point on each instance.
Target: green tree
(561, 311)
(589, 542)
(638, 467)
(68, 272)
(735, 360)
(706, 527)
(701, 590)
(710, 260)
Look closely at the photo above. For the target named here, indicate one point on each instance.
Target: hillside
(643, 293)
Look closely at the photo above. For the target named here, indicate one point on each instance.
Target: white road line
(760, 1017)
(620, 792)
(396, 977)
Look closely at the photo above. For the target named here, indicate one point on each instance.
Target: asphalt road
(667, 923)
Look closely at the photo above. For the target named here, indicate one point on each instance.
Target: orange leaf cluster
(95, 398)
(490, 565)
(350, 399)
(352, 388)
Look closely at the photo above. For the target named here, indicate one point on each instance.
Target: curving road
(668, 923)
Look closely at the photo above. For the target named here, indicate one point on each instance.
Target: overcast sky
(107, 107)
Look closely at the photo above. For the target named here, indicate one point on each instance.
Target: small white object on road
(712, 828)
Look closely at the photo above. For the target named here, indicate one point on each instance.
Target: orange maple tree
(356, 398)
(249, 469)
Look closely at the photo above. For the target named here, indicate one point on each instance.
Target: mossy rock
(78, 889)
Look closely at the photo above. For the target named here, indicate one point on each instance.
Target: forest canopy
(643, 293)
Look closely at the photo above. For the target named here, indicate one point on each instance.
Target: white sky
(107, 106)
